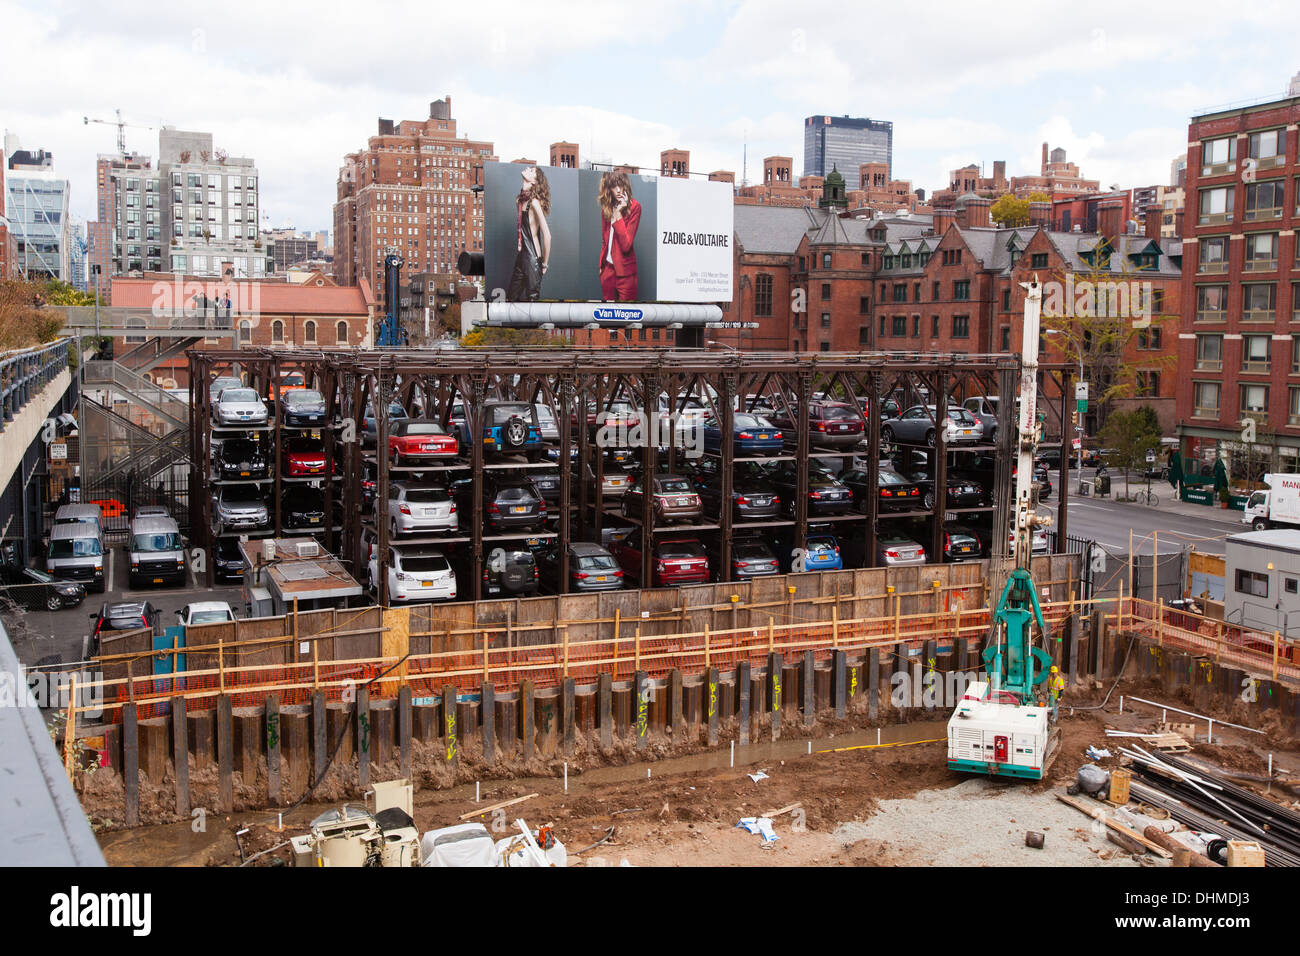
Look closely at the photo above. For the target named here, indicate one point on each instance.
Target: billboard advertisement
(587, 235)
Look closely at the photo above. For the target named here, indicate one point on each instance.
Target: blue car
(511, 428)
(821, 553)
(751, 435)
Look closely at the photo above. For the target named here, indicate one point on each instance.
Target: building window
(900, 292)
(934, 291)
(277, 331)
(1209, 352)
(1261, 252)
(866, 260)
(1149, 338)
(1253, 583)
(1254, 399)
(1006, 300)
(1268, 147)
(864, 336)
(1216, 205)
(826, 291)
(1259, 302)
(245, 331)
(864, 305)
(826, 320)
(1254, 353)
(961, 290)
(1263, 200)
(1213, 256)
(961, 326)
(934, 326)
(916, 326)
(1293, 408)
(763, 295)
(309, 332)
(803, 267)
(1148, 382)
(826, 260)
(341, 333)
(900, 325)
(826, 346)
(1038, 260)
(883, 322)
(1218, 155)
(1205, 399)
(1211, 303)
(1006, 338)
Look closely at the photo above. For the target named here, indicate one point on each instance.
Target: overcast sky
(296, 86)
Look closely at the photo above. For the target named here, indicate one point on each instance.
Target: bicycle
(1148, 498)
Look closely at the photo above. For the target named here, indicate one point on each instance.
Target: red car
(677, 560)
(420, 440)
(304, 457)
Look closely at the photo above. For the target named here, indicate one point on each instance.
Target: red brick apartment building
(410, 188)
(315, 313)
(1239, 350)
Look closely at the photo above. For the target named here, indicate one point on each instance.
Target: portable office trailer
(1262, 586)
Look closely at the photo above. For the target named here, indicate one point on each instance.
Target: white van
(76, 552)
(157, 552)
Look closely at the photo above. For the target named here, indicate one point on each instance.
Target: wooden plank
(273, 749)
(181, 756)
(496, 806)
(1098, 814)
(777, 813)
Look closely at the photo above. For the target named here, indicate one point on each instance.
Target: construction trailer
(1262, 581)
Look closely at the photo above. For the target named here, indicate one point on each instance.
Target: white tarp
(468, 844)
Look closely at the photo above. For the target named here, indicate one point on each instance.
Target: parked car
(304, 457)
(370, 425)
(821, 552)
(962, 492)
(1051, 458)
(150, 511)
(34, 589)
(895, 550)
(303, 507)
(917, 426)
(240, 508)
(242, 458)
(511, 428)
(76, 553)
(509, 504)
(675, 499)
(750, 558)
(302, 408)
(751, 498)
(205, 612)
(984, 409)
(751, 435)
(677, 559)
(546, 423)
(220, 384)
(961, 543)
(826, 493)
(156, 552)
(591, 568)
(416, 441)
(227, 561)
(414, 508)
(415, 574)
(830, 425)
(240, 406)
(510, 571)
(616, 417)
(292, 381)
(121, 616)
(895, 492)
(547, 481)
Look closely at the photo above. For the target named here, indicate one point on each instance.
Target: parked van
(157, 552)
(85, 514)
(76, 553)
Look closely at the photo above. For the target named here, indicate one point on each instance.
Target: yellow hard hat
(1054, 669)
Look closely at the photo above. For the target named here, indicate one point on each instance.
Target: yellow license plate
(602, 577)
(965, 431)
(157, 581)
(243, 474)
(518, 509)
(315, 520)
(426, 584)
(762, 436)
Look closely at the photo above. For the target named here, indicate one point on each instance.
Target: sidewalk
(1168, 495)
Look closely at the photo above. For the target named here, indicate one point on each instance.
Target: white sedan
(416, 575)
(205, 612)
(240, 406)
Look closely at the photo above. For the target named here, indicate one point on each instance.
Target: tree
(1131, 435)
(23, 319)
(58, 292)
(1009, 212)
(487, 336)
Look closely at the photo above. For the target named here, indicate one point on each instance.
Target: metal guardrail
(24, 372)
(153, 397)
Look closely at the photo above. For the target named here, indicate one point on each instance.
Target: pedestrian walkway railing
(24, 372)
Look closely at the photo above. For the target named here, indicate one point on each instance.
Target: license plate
(843, 428)
(518, 509)
(602, 577)
(157, 580)
(684, 502)
(762, 437)
(315, 520)
(243, 474)
(965, 431)
(426, 584)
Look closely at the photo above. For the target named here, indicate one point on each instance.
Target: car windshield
(210, 617)
(156, 541)
(838, 413)
(241, 496)
(514, 493)
(237, 448)
(427, 495)
(39, 575)
(962, 416)
(422, 428)
(303, 397)
(890, 478)
(751, 421)
(425, 562)
(301, 443)
(596, 562)
(749, 549)
(680, 549)
(674, 485)
(74, 548)
(819, 546)
(238, 395)
(126, 622)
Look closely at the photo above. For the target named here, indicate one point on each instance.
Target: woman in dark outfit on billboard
(620, 215)
(532, 237)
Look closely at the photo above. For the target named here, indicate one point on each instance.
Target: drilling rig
(391, 334)
(1002, 726)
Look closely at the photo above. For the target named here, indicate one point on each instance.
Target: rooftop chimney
(1153, 219)
(1040, 214)
(977, 211)
(1110, 219)
(943, 218)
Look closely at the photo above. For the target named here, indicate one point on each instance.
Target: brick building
(8, 244)
(675, 162)
(1240, 345)
(410, 189)
(564, 155)
(316, 313)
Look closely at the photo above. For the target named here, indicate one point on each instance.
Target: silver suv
(241, 507)
(413, 507)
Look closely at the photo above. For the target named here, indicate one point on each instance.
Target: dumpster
(1101, 485)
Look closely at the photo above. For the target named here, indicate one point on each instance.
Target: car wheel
(52, 602)
(928, 501)
(392, 528)
(929, 437)
(993, 434)
(887, 435)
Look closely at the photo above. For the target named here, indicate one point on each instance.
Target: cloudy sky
(296, 86)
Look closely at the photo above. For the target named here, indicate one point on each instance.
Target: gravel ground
(983, 823)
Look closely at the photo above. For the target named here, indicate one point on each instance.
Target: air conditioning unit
(307, 549)
(268, 550)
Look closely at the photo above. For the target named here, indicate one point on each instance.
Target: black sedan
(895, 492)
(302, 408)
(826, 493)
(242, 458)
(962, 492)
(33, 589)
(227, 561)
(303, 507)
(750, 498)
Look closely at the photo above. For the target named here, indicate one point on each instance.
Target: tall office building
(36, 207)
(846, 143)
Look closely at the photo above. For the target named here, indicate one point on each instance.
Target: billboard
(587, 235)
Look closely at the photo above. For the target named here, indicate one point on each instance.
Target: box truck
(1278, 507)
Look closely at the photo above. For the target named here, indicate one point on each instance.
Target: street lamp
(723, 344)
(1078, 348)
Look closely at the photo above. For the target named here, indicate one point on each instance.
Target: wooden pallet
(1170, 743)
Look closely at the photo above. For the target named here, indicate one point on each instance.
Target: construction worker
(1055, 687)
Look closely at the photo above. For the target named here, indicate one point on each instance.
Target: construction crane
(1000, 726)
(391, 334)
(121, 128)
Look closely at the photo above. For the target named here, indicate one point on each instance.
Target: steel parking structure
(567, 381)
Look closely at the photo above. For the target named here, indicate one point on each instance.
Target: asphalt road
(39, 634)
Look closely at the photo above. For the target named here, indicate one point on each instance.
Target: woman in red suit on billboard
(620, 215)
